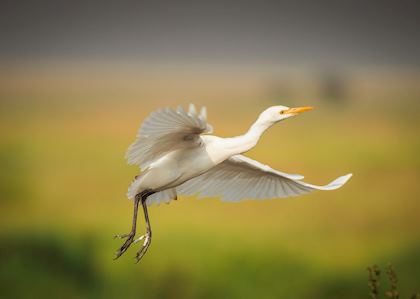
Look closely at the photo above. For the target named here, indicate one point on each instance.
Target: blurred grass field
(64, 178)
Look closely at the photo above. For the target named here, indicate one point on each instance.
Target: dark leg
(148, 236)
(132, 233)
(130, 236)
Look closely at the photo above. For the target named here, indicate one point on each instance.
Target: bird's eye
(282, 112)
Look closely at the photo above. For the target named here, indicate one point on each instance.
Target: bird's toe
(122, 236)
(143, 249)
(124, 247)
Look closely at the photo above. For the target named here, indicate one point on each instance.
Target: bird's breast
(180, 166)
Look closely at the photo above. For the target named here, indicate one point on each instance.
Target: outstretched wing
(167, 130)
(240, 178)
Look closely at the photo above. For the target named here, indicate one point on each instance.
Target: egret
(177, 156)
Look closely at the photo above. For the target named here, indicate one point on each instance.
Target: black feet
(130, 240)
(127, 243)
(141, 197)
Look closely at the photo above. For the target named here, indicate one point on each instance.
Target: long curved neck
(243, 143)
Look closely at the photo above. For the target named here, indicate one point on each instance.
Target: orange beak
(297, 110)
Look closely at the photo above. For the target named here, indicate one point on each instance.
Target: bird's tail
(134, 187)
(162, 196)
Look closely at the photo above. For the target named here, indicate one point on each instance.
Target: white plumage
(167, 132)
(164, 131)
(240, 178)
(177, 156)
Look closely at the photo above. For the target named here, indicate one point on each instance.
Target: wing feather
(166, 130)
(240, 178)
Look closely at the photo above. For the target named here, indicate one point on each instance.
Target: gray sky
(332, 34)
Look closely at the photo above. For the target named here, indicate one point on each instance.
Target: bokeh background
(78, 77)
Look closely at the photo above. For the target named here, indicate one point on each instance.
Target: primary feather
(240, 178)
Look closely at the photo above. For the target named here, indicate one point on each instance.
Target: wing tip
(340, 181)
(191, 109)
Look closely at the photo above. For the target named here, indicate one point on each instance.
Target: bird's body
(180, 165)
(173, 169)
(176, 158)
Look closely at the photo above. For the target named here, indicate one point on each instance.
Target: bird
(177, 155)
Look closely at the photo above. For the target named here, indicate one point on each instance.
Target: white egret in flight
(176, 157)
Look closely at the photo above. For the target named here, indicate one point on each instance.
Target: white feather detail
(166, 130)
(164, 196)
(240, 178)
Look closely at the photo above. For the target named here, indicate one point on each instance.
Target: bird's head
(278, 113)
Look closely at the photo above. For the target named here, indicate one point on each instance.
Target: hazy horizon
(378, 34)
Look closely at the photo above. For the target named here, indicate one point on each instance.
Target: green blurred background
(67, 117)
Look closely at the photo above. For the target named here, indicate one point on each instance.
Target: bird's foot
(127, 243)
(145, 246)
(122, 236)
